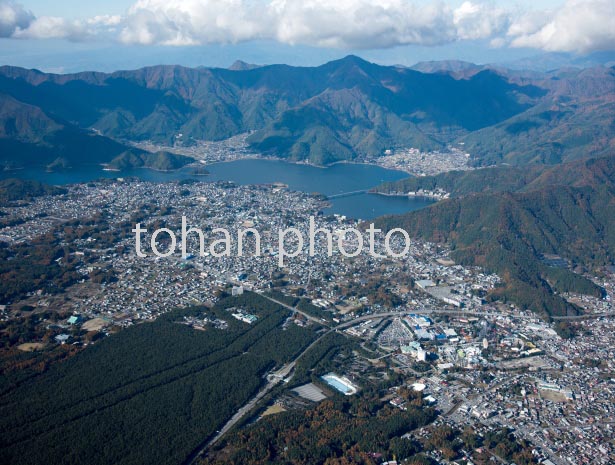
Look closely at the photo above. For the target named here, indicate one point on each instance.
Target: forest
(149, 394)
(365, 430)
(12, 190)
(360, 430)
(509, 233)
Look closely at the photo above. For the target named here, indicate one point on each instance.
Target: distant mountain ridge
(539, 63)
(239, 65)
(456, 68)
(337, 111)
(342, 110)
(556, 60)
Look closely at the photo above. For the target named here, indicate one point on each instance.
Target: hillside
(161, 161)
(457, 183)
(384, 107)
(574, 120)
(338, 111)
(30, 137)
(508, 233)
(338, 125)
(503, 178)
(20, 189)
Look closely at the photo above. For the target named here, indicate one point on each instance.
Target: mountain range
(343, 110)
(508, 219)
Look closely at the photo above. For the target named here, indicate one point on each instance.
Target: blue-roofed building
(75, 319)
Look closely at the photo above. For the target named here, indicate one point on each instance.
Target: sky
(74, 35)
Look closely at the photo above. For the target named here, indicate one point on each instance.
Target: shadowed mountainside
(567, 210)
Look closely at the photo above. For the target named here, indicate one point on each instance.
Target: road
(294, 309)
(243, 411)
(372, 316)
(587, 316)
(273, 379)
(347, 194)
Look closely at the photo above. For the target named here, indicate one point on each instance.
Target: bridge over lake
(348, 194)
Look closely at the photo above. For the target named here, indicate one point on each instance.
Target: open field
(95, 324)
(31, 346)
(274, 409)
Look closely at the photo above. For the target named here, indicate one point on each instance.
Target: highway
(373, 316)
(243, 411)
(272, 380)
(294, 309)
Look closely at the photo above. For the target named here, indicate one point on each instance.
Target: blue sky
(76, 8)
(80, 9)
(72, 35)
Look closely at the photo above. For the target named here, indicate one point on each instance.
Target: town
(480, 363)
(226, 243)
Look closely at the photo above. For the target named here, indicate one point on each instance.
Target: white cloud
(52, 27)
(13, 17)
(339, 23)
(578, 26)
(480, 21)
(178, 22)
(105, 20)
(360, 23)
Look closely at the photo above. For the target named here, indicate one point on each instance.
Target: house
(62, 338)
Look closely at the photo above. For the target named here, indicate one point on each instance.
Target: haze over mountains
(344, 110)
(540, 63)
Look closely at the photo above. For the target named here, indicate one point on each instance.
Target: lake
(337, 179)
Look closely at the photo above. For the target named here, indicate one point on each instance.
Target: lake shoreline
(339, 178)
(307, 163)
